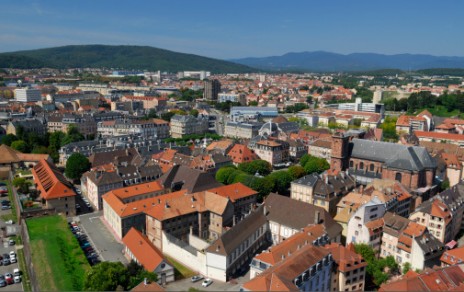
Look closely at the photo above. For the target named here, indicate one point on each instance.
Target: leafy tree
(106, 276)
(22, 184)
(389, 128)
(282, 180)
(406, 267)
(73, 135)
(38, 149)
(167, 116)
(222, 175)
(296, 171)
(304, 159)
(253, 103)
(19, 145)
(54, 140)
(261, 166)
(152, 114)
(8, 139)
(194, 112)
(76, 165)
(445, 184)
(233, 175)
(261, 184)
(137, 274)
(316, 164)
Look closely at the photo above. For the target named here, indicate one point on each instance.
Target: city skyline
(224, 31)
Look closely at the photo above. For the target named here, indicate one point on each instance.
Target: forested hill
(121, 57)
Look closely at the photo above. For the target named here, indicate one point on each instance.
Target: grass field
(59, 262)
(181, 271)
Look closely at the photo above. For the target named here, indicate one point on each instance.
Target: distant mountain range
(121, 57)
(321, 61)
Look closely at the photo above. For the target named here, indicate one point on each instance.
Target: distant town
(194, 181)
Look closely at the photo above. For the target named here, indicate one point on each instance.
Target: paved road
(101, 238)
(185, 284)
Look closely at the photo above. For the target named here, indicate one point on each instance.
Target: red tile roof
(234, 191)
(241, 153)
(437, 135)
(51, 182)
(453, 257)
(143, 250)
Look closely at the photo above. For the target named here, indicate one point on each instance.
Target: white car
(12, 254)
(13, 259)
(207, 282)
(17, 279)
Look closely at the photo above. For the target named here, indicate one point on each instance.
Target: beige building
(241, 130)
(273, 151)
(188, 125)
(349, 272)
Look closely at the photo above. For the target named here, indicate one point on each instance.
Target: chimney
(233, 220)
(317, 217)
(326, 179)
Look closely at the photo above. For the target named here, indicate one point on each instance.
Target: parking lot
(5, 248)
(106, 246)
(185, 284)
(84, 243)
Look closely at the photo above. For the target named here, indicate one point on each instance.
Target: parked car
(17, 279)
(11, 242)
(207, 282)
(7, 207)
(85, 245)
(9, 278)
(12, 253)
(197, 278)
(2, 283)
(16, 272)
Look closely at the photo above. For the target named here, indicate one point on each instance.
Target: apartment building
(409, 242)
(349, 272)
(241, 130)
(365, 225)
(27, 95)
(324, 191)
(145, 128)
(188, 125)
(272, 151)
(287, 217)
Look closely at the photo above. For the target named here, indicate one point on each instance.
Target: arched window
(361, 165)
(371, 167)
(398, 176)
(351, 163)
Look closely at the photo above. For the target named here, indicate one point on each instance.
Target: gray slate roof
(297, 214)
(397, 156)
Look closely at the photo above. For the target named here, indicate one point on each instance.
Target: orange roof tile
(143, 250)
(50, 181)
(437, 135)
(234, 191)
(453, 257)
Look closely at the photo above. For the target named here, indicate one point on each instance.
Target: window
(371, 167)
(361, 165)
(398, 176)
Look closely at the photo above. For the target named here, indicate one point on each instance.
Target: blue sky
(238, 28)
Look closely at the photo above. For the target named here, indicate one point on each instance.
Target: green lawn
(59, 262)
(181, 271)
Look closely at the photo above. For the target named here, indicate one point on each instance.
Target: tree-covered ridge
(123, 57)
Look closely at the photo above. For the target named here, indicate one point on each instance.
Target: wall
(194, 261)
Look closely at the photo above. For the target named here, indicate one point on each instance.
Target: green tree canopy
(76, 165)
(261, 166)
(8, 139)
(222, 175)
(73, 135)
(106, 276)
(19, 145)
(316, 165)
(296, 171)
(22, 184)
(282, 180)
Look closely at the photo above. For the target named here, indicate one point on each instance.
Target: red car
(9, 279)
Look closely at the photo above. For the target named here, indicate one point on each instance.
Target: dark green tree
(19, 145)
(76, 165)
(22, 184)
(73, 135)
(222, 175)
(282, 180)
(261, 166)
(8, 139)
(296, 171)
(106, 276)
(316, 165)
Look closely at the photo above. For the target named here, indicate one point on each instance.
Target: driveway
(108, 248)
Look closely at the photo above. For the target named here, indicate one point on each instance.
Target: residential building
(364, 226)
(452, 257)
(241, 153)
(13, 159)
(149, 102)
(307, 269)
(231, 97)
(138, 248)
(241, 130)
(409, 242)
(85, 124)
(180, 177)
(456, 139)
(324, 191)
(230, 253)
(349, 272)
(57, 192)
(212, 87)
(188, 125)
(437, 217)
(310, 235)
(146, 128)
(242, 197)
(321, 148)
(27, 95)
(273, 151)
(441, 279)
(287, 217)
(26, 126)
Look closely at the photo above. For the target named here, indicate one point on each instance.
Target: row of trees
(50, 143)
(258, 174)
(425, 99)
(114, 276)
(378, 270)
